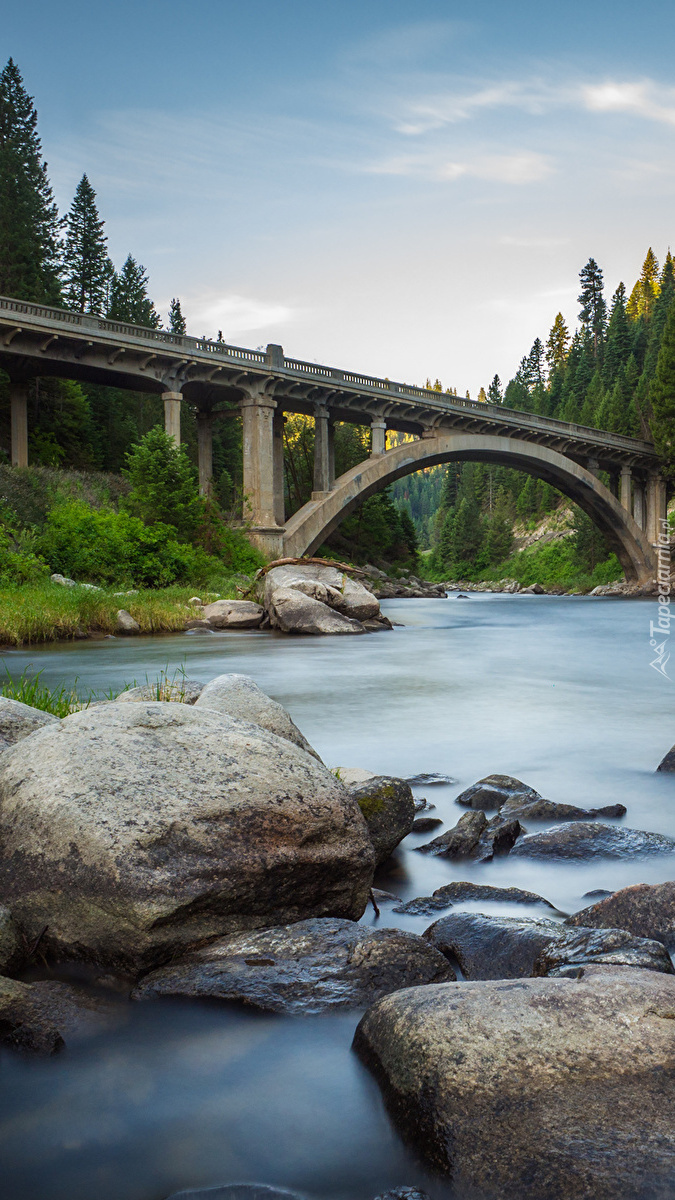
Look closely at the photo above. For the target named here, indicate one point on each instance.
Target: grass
(63, 700)
(47, 612)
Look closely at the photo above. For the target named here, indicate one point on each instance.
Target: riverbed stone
(668, 761)
(493, 792)
(647, 910)
(11, 948)
(135, 831)
(573, 950)
(426, 824)
(233, 614)
(462, 840)
(239, 696)
(238, 1191)
(404, 1193)
(293, 612)
(308, 967)
(540, 809)
(325, 584)
(19, 720)
(43, 1017)
(389, 810)
(537, 1089)
(592, 839)
(126, 623)
(489, 947)
(460, 892)
(177, 691)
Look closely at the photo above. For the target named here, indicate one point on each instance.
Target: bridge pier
(322, 432)
(205, 451)
(625, 489)
(639, 503)
(378, 429)
(656, 506)
(261, 469)
(172, 414)
(18, 399)
(278, 423)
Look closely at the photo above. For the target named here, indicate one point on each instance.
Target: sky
(403, 189)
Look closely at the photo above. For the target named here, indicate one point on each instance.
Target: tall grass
(31, 690)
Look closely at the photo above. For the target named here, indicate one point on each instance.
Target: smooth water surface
(556, 691)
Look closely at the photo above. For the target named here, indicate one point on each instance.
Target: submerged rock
(233, 614)
(591, 839)
(460, 841)
(668, 761)
(18, 721)
(238, 1191)
(389, 810)
(43, 1017)
(239, 696)
(425, 824)
(494, 790)
(135, 831)
(459, 892)
(538, 1089)
(647, 910)
(307, 967)
(403, 1193)
(428, 779)
(492, 947)
(571, 952)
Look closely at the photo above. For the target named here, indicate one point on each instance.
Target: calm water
(557, 691)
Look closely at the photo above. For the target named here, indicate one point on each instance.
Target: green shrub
(18, 562)
(163, 482)
(106, 547)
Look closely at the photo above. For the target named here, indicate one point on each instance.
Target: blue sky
(404, 189)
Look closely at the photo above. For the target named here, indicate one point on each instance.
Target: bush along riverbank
(274, 922)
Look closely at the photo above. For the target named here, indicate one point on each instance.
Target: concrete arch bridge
(218, 381)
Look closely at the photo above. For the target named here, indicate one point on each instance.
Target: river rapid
(557, 691)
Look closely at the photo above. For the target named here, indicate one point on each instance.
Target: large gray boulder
(459, 892)
(592, 839)
(43, 1017)
(575, 949)
(291, 611)
(388, 807)
(233, 614)
(492, 947)
(309, 967)
(239, 696)
(326, 584)
(647, 910)
(19, 720)
(135, 831)
(537, 1089)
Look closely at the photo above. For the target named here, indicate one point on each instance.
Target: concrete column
(656, 506)
(278, 423)
(331, 453)
(379, 436)
(257, 412)
(18, 398)
(172, 414)
(593, 466)
(321, 452)
(639, 503)
(205, 451)
(614, 483)
(624, 492)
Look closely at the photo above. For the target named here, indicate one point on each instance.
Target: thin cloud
(643, 99)
(234, 314)
(517, 168)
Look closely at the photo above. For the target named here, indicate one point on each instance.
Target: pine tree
(662, 397)
(87, 268)
(494, 392)
(536, 370)
(643, 295)
(29, 221)
(593, 312)
(618, 346)
(659, 316)
(129, 299)
(176, 318)
(557, 344)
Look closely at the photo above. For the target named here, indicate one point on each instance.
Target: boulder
(43, 1017)
(309, 967)
(62, 580)
(462, 840)
(647, 910)
(535, 589)
(429, 779)
(11, 948)
(19, 720)
(237, 1191)
(591, 839)
(353, 775)
(239, 696)
(573, 950)
(459, 892)
(293, 612)
(389, 810)
(233, 614)
(494, 791)
(426, 824)
(668, 761)
(135, 831)
(326, 584)
(126, 623)
(540, 809)
(537, 1089)
(498, 837)
(404, 1193)
(178, 691)
(492, 947)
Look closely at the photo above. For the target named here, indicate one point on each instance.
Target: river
(557, 691)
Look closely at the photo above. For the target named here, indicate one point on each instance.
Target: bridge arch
(311, 525)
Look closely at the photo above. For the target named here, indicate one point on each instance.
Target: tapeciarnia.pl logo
(657, 629)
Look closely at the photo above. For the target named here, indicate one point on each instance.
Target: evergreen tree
(659, 316)
(467, 536)
(643, 295)
(87, 268)
(557, 344)
(494, 392)
(662, 397)
(29, 222)
(163, 484)
(536, 370)
(129, 299)
(177, 320)
(618, 346)
(593, 312)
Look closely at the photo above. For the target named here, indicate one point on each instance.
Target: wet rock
(389, 810)
(43, 1017)
(647, 910)
(314, 584)
(535, 589)
(571, 952)
(307, 967)
(428, 779)
(460, 841)
(540, 809)
(668, 761)
(237, 1191)
(534, 1089)
(591, 839)
(422, 805)
(382, 897)
(403, 1193)
(498, 837)
(11, 948)
(597, 894)
(375, 624)
(19, 720)
(459, 892)
(125, 622)
(176, 691)
(239, 696)
(494, 791)
(233, 614)
(425, 824)
(492, 947)
(135, 831)
(292, 612)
